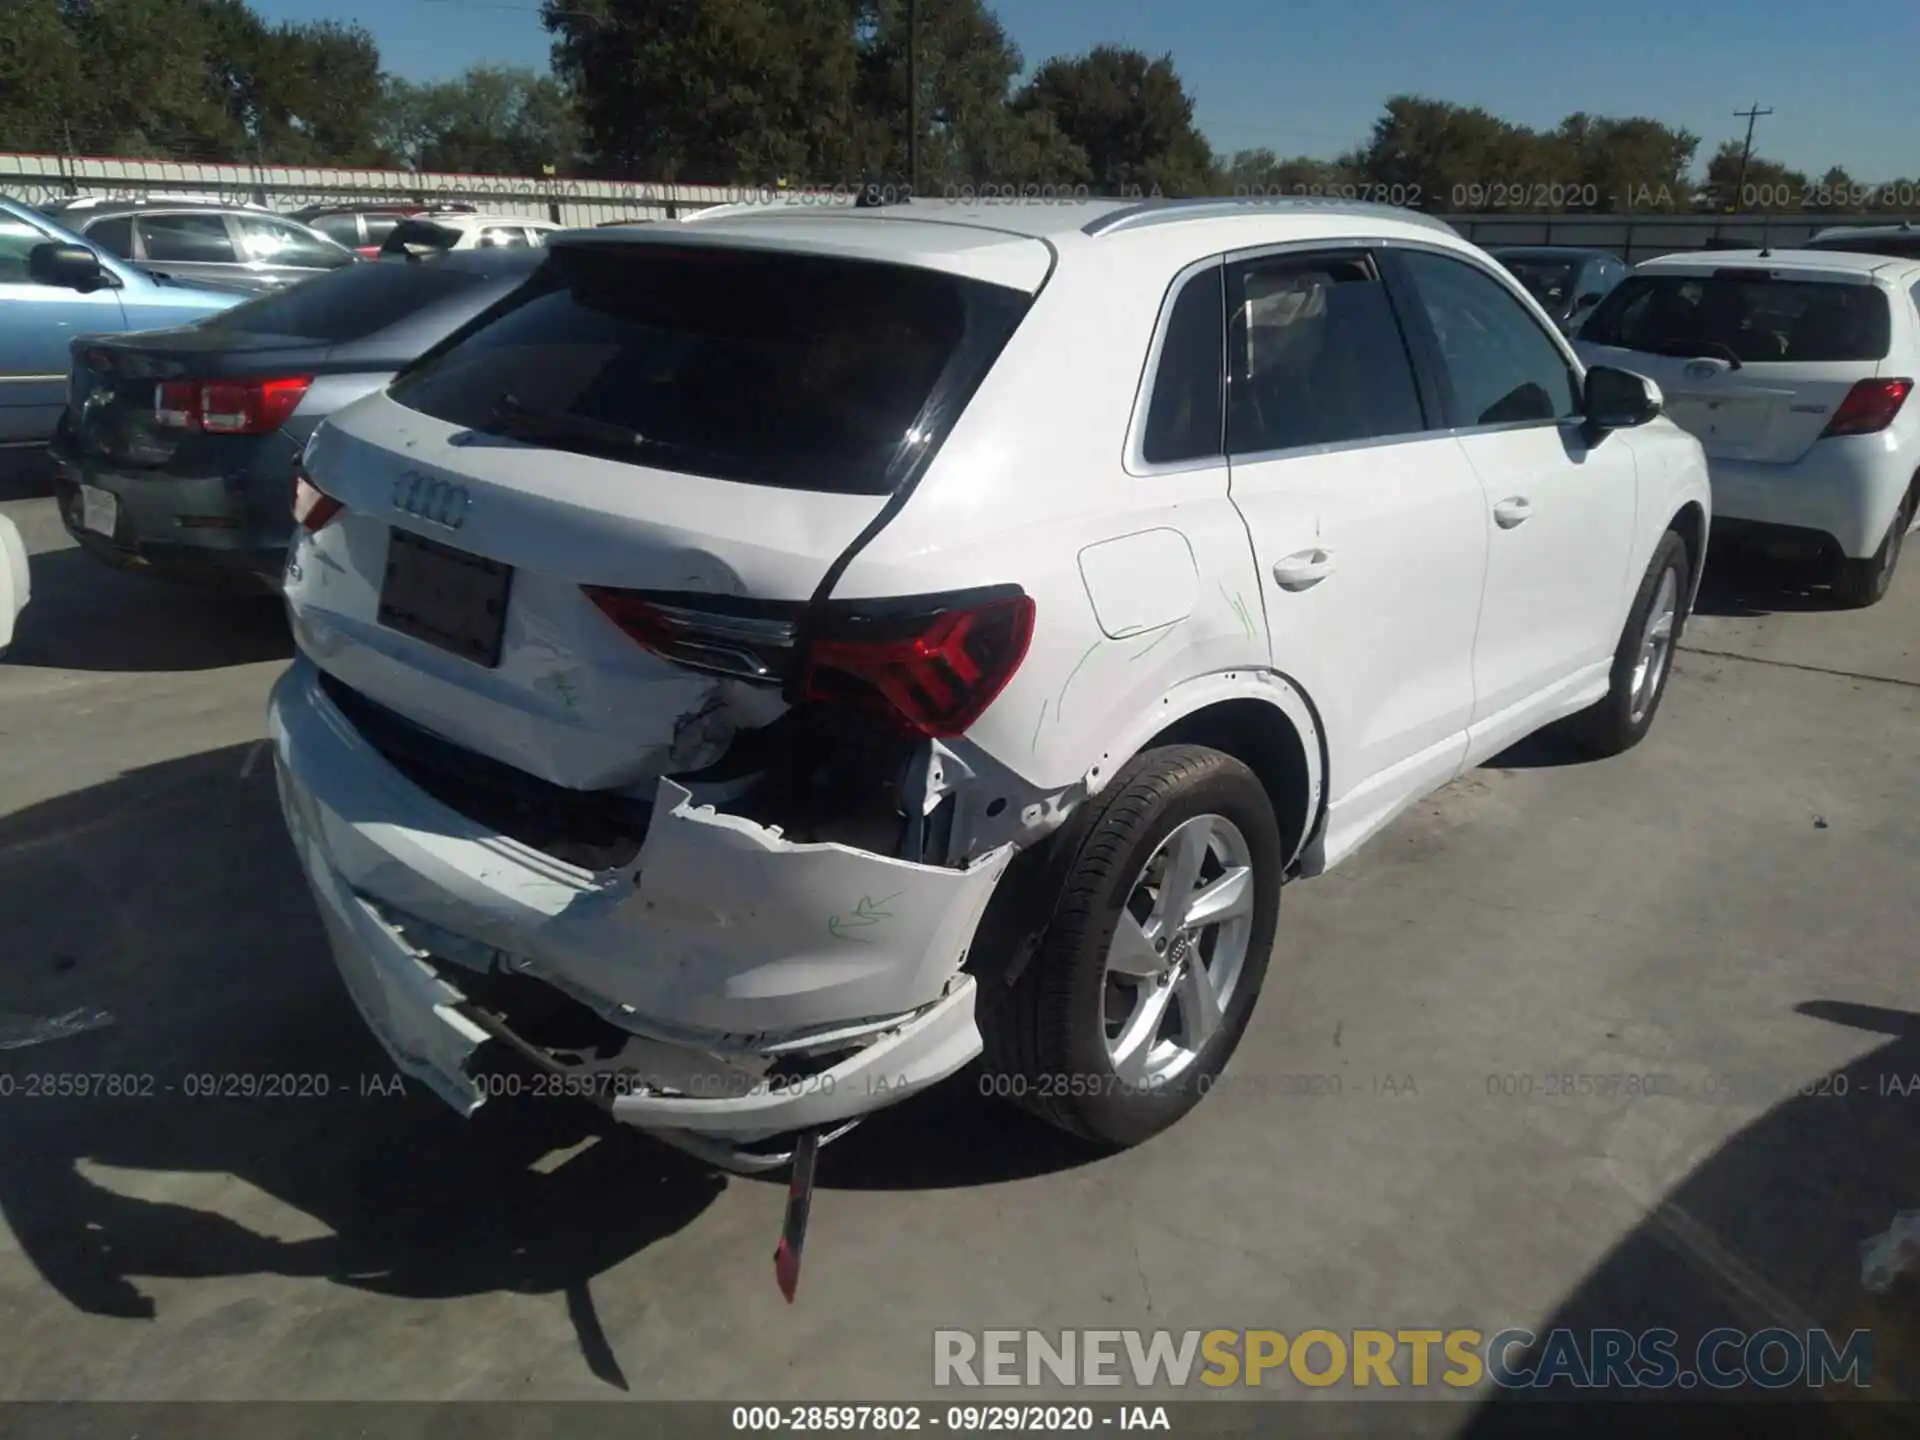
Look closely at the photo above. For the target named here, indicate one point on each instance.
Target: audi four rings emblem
(438, 502)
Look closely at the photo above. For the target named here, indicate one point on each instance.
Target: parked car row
(757, 668)
(210, 242)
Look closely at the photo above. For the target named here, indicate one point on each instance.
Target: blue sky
(1307, 77)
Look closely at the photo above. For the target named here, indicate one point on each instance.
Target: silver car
(201, 242)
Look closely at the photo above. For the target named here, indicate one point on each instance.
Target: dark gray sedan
(175, 454)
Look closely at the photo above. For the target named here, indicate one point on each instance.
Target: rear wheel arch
(1264, 738)
(1690, 524)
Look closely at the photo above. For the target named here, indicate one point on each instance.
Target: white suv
(767, 662)
(1795, 369)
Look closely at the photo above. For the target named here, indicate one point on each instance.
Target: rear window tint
(347, 304)
(1753, 320)
(787, 370)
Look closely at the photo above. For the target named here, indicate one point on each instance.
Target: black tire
(1046, 1046)
(1612, 726)
(1860, 583)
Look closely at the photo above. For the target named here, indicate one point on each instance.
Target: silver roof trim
(1160, 212)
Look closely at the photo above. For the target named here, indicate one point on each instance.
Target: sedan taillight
(228, 407)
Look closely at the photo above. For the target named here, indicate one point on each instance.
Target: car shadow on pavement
(1744, 584)
(1767, 1232)
(160, 933)
(26, 473)
(86, 615)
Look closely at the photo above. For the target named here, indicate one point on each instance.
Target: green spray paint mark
(1149, 649)
(866, 913)
(1060, 702)
(1239, 608)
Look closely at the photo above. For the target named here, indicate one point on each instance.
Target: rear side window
(1317, 357)
(114, 235)
(1746, 316)
(343, 229)
(201, 239)
(799, 371)
(379, 227)
(1183, 417)
(346, 304)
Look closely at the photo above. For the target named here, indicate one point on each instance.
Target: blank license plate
(99, 509)
(446, 597)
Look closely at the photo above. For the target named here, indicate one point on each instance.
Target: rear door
(698, 434)
(189, 245)
(282, 253)
(1368, 524)
(1753, 360)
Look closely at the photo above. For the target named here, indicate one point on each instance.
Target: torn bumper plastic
(725, 950)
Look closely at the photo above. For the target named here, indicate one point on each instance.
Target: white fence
(38, 179)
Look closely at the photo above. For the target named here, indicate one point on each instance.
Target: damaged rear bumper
(729, 986)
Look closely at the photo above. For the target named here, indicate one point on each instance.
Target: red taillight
(312, 506)
(228, 407)
(936, 671)
(1869, 407)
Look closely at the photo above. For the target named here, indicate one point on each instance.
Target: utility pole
(913, 96)
(1746, 151)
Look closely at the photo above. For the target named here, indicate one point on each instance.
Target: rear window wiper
(1697, 349)
(559, 427)
(526, 423)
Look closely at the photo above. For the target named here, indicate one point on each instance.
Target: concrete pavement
(1730, 908)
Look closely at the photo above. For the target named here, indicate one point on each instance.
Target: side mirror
(70, 267)
(1619, 400)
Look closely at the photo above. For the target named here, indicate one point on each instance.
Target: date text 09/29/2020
(807, 1419)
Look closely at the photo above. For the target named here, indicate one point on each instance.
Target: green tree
(491, 121)
(1443, 156)
(970, 135)
(1131, 115)
(1260, 172)
(712, 90)
(1633, 164)
(1767, 184)
(321, 88)
(40, 75)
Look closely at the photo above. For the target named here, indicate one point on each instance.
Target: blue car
(55, 287)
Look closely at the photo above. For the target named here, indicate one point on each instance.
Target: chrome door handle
(1308, 567)
(1512, 511)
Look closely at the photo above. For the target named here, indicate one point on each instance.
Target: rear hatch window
(794, 370)
(1744, 315)
(345, 305)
